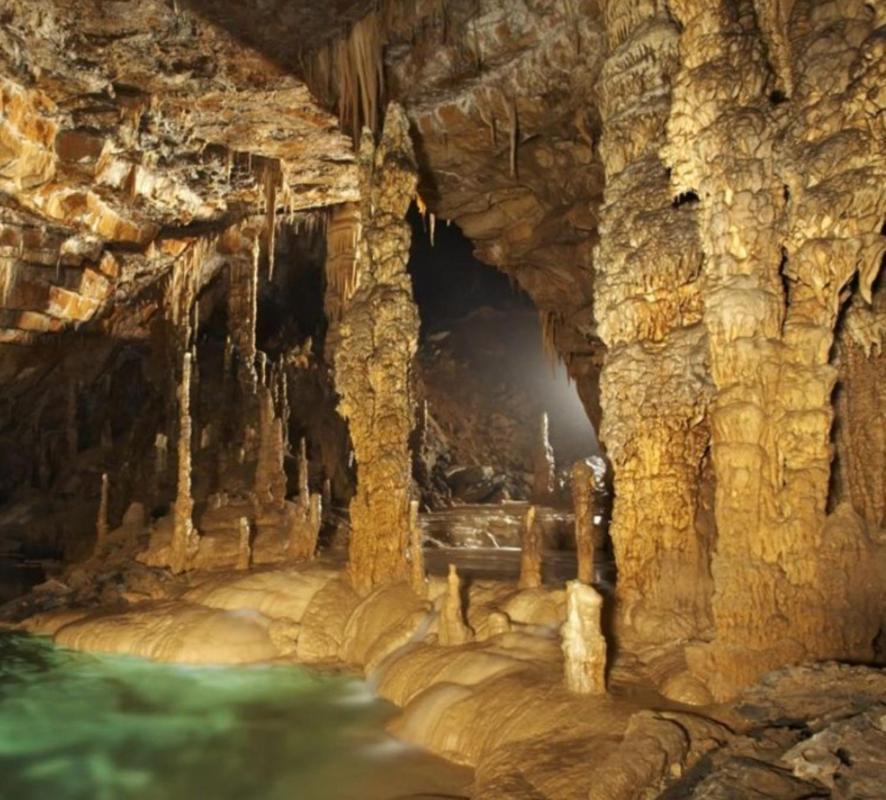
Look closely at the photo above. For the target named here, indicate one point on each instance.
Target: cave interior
(524, 358)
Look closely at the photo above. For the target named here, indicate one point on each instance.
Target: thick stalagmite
(648, 304)
(777, 256)
(373, 343)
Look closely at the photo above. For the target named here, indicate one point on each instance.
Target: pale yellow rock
(584, 647)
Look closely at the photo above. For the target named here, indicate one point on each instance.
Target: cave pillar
(861, 410)
(583, 481)
(184, 537)
(776, 262)
(373, 339)
(654, 384)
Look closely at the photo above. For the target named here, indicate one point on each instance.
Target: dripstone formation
(205, 260)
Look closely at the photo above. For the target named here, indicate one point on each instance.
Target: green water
(78, 726)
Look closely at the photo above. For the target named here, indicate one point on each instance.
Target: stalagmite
(101, 522)
(583, 484)
(779, 263)
(184, 537)
(648, 299)
(270, 474)
(452, 627)
(244, 545)
(416, 552)
(373, 344)
(544, 480)
(584, 647)
(306, 518)
(530, 552)
(303, 487)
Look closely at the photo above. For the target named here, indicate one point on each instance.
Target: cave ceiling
(131, 129)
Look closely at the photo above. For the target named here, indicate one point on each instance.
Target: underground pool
(76, 726)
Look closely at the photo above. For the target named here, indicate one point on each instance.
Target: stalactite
(416, 552)
(544, 479)
(550, 323)
(530, 552)
(271, 181)
(184, 538)
(452, 628)
(583, 485)
(343, 232)
(584, 647)
(9, 272)
(101, 522)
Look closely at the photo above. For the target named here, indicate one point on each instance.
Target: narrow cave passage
(488, 380)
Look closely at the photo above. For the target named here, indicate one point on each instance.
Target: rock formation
(416, 552)
(203, 223)
(374, 343)
(544, 479)
(451, 626)
(584, 648)
(184, 538)
(584, 483)
(531, 552)
(101, 522)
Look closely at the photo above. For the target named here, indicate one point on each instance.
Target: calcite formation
(184, 538)
(584, 647)
(773, 292)
(584, 483)
(531, 551)
(451, 626)
(203, 258)
(544, 480)
(374, 344)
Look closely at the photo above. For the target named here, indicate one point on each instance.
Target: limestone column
(777, 258)
(184, 537)
(648, 305)
(373, 341)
